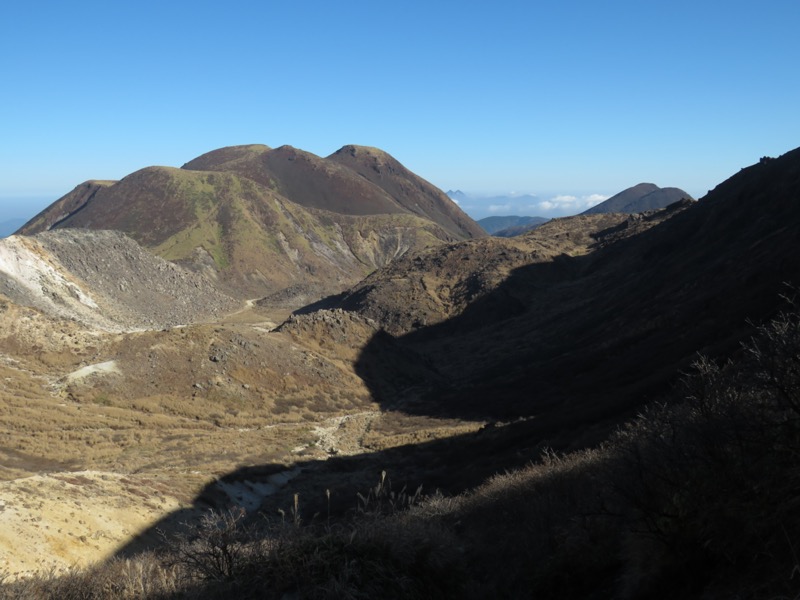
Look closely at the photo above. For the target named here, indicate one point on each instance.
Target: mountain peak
(639, 198)
(251, 215)
(354, 149)
(212, 161)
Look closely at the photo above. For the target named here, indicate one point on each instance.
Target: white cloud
(567, 204)
(595, 199)
(545, 205)
(528, 204)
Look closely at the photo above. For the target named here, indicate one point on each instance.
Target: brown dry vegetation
(185, 405)
(692, 500)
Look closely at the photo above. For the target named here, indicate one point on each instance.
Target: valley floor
(106, 435)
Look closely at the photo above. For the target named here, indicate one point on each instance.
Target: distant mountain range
(263, 219)
(639, 198)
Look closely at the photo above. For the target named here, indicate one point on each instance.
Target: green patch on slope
(205, 234)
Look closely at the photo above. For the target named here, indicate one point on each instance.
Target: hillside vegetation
(692, 499)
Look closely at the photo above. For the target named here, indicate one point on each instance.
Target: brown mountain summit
(355, 180)
(263, 219)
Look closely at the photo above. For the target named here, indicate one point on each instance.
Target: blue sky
(560, 100)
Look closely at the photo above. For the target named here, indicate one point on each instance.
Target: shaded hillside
(588, 330)
(496, 225)
(428, 288)
(639, 198)
(263, 220)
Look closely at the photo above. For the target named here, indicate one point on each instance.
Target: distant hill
(263, 219)
(511, 225)
(639, 198)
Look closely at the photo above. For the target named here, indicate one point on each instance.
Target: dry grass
(182, 406)
(145, 577)
(696, 499)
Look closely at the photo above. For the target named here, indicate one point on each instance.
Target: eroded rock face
(104, 280)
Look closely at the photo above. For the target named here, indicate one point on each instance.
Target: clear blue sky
(549, 98)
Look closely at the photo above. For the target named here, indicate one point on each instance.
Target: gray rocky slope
(105, 280)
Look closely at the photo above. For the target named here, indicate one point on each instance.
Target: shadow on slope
(452, 465)
(593, 337)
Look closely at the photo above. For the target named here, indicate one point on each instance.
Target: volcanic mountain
(262, 219)
(639, 198)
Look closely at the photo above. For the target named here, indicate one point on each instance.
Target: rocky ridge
(430, 287)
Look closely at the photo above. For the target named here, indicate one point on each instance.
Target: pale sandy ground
(56, 521)
(344, 435)
(109, 366)
(59, 520)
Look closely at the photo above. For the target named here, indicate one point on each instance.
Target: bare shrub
(710, 483)
(125, 579)
(379, 552)
(215, 548)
